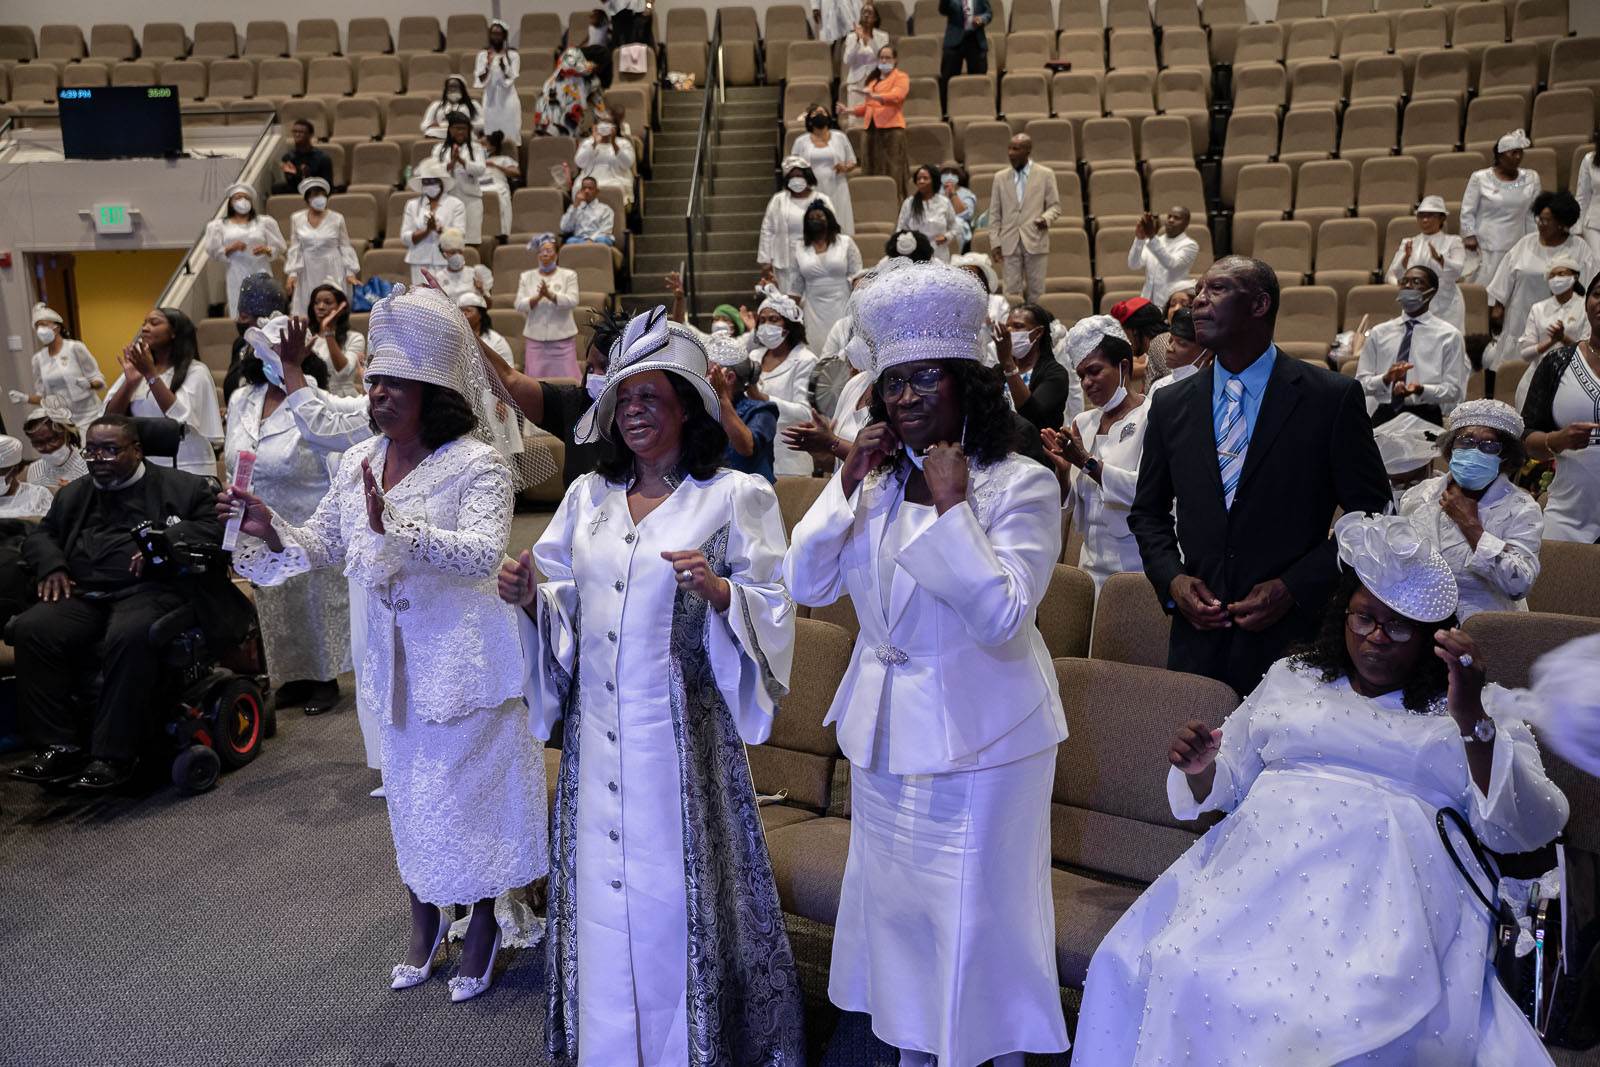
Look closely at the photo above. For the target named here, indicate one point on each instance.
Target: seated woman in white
(1554, 322)
(1322, 921)
(1484, 526)
(19, 499)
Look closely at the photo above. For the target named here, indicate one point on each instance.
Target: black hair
(794, 331)
(124, 424)
(446, 416)
(830, 224)
(933, 183)
(252, 370)
(877, 19)
(1182, 325)
(466, 97)
(1563, 207)
(496, 139)
(815, 111)
(310, 128)
(1258, 274)
(744, 373)
(1040, 316)
(1327, 654)
(454, 118)
(704, 442)
(1512, 452)
(606, 327)
(69, 428)
(1433, 276)
(991, 432)
(184, 349)
(875, 74)
(1115, 350)
(1147, 320)
(341, 324)
(484, 326)
(921, 254)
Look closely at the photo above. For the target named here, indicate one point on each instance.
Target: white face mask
(1021, 343)
(770, 334)
(1180, 373)
(45, 334)
(319, 203)
(721, 329)
(431, 190)
(594, 385)
(1117, 397)
(454, 96)
(797, 184)
(884, 68)
(240, 205)
(604, 129)
(1561, 283)
(58, 456)
(455, 261)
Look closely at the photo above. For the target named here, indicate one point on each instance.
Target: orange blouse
(888, 111)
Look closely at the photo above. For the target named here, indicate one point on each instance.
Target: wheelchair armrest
(166, 629)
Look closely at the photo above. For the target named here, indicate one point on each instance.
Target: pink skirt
(551, 359)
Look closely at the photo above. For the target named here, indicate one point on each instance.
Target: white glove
(18, 396)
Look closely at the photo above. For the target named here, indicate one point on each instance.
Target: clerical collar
(131, 479)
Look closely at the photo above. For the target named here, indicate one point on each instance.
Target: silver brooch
(890, 656)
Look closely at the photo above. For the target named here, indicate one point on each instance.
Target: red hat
(1123, 311)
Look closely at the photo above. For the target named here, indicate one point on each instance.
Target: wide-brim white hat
(649, 343)
(46, 313)
(314, 183)
(429, 170)
(1397, 565)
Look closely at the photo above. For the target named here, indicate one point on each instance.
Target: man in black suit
(96, 605)
(1256, 451)
(965, 40)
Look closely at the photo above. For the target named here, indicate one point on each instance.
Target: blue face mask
(1471, 469)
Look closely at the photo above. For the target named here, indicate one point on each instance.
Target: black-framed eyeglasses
(103, 451)
(1488, 448)
(924, 382)
(1397, 630)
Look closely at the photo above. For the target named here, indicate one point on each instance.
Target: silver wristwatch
(1482, 730)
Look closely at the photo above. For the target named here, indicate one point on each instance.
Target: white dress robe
(195, 405)
(659, 867)
(850, 416)
(830, 183)
(305, 622)
(466, 185)
(463, 774)
(1322, 922)
(342, 381)
(502, 107)
(1572, 509)
(950, 716)
(1100, 509)
(319, 255)
(608, 164)
(496, 184)
(839, 18)
(938, 219)
(789, 386)
(70, 374)
(450, 213)
(1447, 303)
(1521, 281)
(27, 501)
(1588, 184)
(782, 228)
(824, 288)
(1497, 575)
(65, 464)
(469, 279)
(1497, 214)
(261, 231)
(1543, 315)
(856, 62)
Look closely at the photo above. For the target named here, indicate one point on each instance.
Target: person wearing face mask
(320, 252)
(858, 59)
(783, 224)
(427, 217)
(62, 368)
(589, 220)
(964, 202)
(1523, 277)
(246, 241)
(53, 435)
(929, 212)
(566, 97)
(453, 98)
(824, 264)
(1184, 356)
(1416, 362)
(1487, 529)
(882, 111)
(19, 498)
(1443, 253)
(458, 277)
(1165, 257)
(462, 158)
(1562, 414)
(494, 74)
(260, 297)
(786, 369)
(827, 152)
(1494, 206)
(1039, 386)
(1554, 322)
(546, 295)
(607, 156)
(1096, 456)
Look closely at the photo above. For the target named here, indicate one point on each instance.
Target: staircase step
(748, 224)
(653, 264)
(709, 298)
(663, 204)
(762, 120)
(753, 93)
(676, 183)
(766, 137)
(674, 242)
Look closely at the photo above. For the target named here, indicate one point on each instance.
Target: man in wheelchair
(98, 596)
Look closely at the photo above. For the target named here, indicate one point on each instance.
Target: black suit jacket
(956, 22)
(1312, 451)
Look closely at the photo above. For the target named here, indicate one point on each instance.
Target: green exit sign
(113, 218)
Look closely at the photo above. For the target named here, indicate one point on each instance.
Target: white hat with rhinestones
(914, 311)
(1087, 333)
(1495, 414)
(1397, 565)
(421, 336)
(648, 343)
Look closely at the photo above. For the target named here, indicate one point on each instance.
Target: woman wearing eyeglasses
(945, 540)
(1486, 528)
(1322, 921)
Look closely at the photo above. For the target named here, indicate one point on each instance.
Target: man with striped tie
(1256, 452)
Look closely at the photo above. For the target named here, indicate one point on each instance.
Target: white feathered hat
(1397, 566)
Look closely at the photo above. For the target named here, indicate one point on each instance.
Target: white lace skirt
(466, 803)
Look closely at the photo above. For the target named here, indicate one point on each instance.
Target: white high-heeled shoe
(465, 987)
(404, 976)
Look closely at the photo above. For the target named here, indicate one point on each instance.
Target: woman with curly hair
(1523, 277)
(663, 641)
(1322, 921)
(945, 540)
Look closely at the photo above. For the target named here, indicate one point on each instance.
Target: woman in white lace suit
(419, 516)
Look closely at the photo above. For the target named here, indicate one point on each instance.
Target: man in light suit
(965, 40)
(1256, 451)
(1022, 205)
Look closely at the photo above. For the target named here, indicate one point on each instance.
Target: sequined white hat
(773, 299)
(727, 351)
(1514, 139)
(53, 408)
(420, 335)
(1397, 566)
(45, 313)
(1495, 414)
(10, 451)
(1085, 336)
(1433, 205)
(913, 311)
(979, 261)
(649, 343)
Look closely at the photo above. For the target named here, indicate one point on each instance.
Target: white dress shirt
(1438, 361)
(1496, 575)
(588, 220)
(1165, 261)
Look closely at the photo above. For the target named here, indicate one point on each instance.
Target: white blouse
(547, 320)
(789, 386)
(29, 501)
(938, 219)
(195, 405)
(1497, 575)
(342, 382)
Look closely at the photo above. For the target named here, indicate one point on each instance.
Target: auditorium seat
(1079, 15)
(1185, 48)
(231, 79)
(387, 263)
(1065, 612)
(1316, 83)
(1068, 307)
(112, 41)
(1130, 94)
(1366, 35)
(1225, 20)
(1491, 117)
(985, 149)
(1417, 32)
(1115, 201)
(1563, 120)
(1575, 63)
(1346, 255)
(876, 201)
(1132, 49)
(61, 44)
(187, 76)
(1378, 80)
(215, 40)
(1374, 302)
(1387, 189)
(1076, 98)
(1054, 146)
(1261, 88)
(969, 98)
(1068, 268)
(85, 76)
(1179, 185)
(1432, 127)
(1029, 51)
(419, 33)
(280, 79)
(1569, 579)
(468, 32)
(380, 75)
(34, 83)
(1251, 138)
(1128, 15)
(1265, 194)
(1308, 134)
(164, 40)
(1311, 40)
(134, 72)
(1084, 49)
(1445, 74)
(264, 39)
(316, 37)
(1259, 43)
(1308, 318)
(1369, 131)
(1540, 20)
(1024, 97)
(1324, 189)
(1108, 145)
(368, 36)
(1186, 94)
(1476, 27)
(1446, 175)
(931, 142)
(795, 497)
(798, 760)
(1129, 625)
(426, 73)
(1510, 69)
(1512, 641)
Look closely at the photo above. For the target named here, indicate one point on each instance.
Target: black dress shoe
(101, 775)
(321, 697)
(290, 694)
(55, 764)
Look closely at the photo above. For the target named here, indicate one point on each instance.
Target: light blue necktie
(1232, 440)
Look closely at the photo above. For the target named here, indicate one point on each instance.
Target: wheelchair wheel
(237, 721)
(195, 769)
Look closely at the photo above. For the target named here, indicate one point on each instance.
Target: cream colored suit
(1025, 246)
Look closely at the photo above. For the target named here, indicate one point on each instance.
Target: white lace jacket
(439, 639)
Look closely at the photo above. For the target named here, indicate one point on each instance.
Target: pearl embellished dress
(1322, 920)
